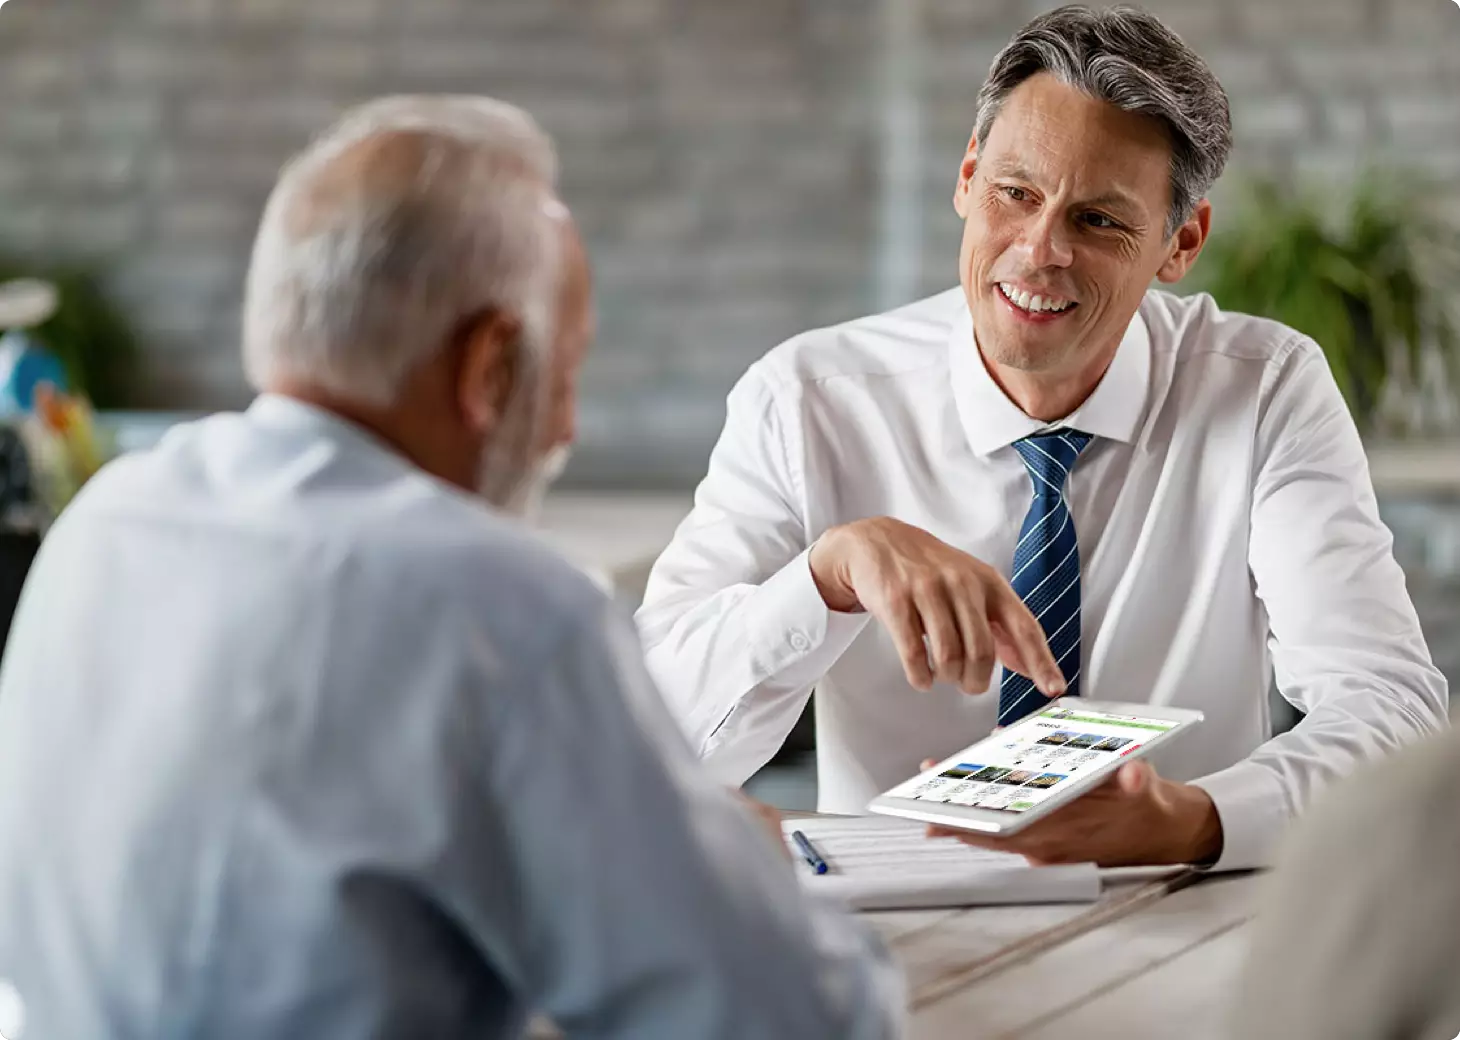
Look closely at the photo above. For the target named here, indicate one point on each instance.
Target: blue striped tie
(1047, 566)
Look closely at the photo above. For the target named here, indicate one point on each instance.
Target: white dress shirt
(297, 741)
(1227, 529)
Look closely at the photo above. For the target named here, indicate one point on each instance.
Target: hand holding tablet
(1020, 778)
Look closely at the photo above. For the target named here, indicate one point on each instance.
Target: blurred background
(742, 171)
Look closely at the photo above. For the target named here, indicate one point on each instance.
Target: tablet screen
(1016, 769)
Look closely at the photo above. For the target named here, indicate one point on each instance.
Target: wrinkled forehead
(1060, 138)
(575, 288)
(577, 283)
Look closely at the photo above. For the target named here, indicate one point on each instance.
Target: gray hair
(1128, 58)
(360, 275)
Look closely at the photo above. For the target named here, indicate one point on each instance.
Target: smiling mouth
(1034, 303)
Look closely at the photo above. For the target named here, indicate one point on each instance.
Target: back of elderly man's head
(409, 219)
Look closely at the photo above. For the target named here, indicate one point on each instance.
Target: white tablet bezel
(1002, 821)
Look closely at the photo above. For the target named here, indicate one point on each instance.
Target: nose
(1045, 241)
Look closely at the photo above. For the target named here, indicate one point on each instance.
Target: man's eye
(1017, 194)
(1099, 220)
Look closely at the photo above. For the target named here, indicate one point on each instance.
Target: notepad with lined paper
(886, 864)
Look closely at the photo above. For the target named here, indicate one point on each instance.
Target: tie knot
(1050, 457)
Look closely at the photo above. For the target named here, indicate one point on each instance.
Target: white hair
(357, 280)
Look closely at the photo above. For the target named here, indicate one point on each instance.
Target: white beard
(543, 474)
(518, 490)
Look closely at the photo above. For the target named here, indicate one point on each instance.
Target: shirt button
(799, 642)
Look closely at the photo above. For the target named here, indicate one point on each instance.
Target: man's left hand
(1133, 819)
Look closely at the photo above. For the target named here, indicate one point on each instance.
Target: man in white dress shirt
(298, 738)
(1113, 492)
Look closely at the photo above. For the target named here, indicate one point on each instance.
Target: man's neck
(393, 427)
(1049, 395)
(1040, 397)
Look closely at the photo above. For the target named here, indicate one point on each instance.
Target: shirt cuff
(794, 640)
(1254, 812)
(792, 627)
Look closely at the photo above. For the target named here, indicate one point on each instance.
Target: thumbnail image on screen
(1016, 769)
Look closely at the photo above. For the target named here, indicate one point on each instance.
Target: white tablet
(1044, 761)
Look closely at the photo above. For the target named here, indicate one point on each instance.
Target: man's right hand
(917, 586)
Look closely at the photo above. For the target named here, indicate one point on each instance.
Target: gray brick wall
(740, 168)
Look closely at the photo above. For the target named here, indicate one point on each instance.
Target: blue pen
(808, 852)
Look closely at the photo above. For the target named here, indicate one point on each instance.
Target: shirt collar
(283, 412)
(1115, 410)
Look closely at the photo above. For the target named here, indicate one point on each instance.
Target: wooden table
(1153, 958)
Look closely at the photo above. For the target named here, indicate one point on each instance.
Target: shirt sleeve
(1346, 644)
(734, 629)
(626, 894)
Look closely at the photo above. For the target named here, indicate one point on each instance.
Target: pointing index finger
(1029, 643)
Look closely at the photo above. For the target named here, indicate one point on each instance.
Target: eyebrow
(1116, 198)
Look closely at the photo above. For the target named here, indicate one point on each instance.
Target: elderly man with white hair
(299, 738)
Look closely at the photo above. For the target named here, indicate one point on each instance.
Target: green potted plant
(1368, 272)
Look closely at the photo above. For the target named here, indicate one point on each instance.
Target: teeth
(1033, 303)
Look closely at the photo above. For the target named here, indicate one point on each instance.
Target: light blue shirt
(298, 742)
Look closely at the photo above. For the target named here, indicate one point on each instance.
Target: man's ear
(965, 177)
(1187, 244)
(491, 363)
